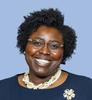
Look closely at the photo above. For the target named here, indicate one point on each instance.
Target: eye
(54, 46)
(37, 43)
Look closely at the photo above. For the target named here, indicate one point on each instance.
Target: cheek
(57, 55)
(30, 50)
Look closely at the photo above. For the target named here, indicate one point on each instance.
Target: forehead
(47, 33)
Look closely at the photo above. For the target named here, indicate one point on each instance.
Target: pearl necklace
(44, 85)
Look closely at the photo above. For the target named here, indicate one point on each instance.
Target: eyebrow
(50, 41)
(30, 39)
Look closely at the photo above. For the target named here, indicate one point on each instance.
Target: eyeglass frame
(30, 40)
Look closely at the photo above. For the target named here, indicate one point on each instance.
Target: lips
(42, 62)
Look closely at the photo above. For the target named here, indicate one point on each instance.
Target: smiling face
(43, 52)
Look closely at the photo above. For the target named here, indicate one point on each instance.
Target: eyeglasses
(40, 43)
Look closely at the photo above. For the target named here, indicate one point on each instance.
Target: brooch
(69, 94)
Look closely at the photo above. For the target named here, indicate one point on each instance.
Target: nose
(45, 50)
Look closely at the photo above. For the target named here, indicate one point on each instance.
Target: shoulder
(6, 83)
(7, 86)
(81, 79)
(7, 80)
(82, 84)
(78, 78)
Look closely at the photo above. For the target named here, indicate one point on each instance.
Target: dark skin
(41, 72)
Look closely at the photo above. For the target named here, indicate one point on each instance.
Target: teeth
(42, 62)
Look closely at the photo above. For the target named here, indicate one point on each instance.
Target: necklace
(44, 85)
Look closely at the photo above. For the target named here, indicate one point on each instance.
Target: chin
(41, 72)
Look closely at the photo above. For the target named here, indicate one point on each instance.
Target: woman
(46, 43)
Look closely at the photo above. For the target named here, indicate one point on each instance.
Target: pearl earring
(24, 52)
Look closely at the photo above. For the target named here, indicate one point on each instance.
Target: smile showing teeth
(42, 62)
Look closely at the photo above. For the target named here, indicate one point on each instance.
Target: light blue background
(78, 14)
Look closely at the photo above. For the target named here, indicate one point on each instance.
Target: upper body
(46, 43)
(10, 89)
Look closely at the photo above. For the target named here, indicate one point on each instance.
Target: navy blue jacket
(11, 90)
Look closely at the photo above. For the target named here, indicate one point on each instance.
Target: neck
(41, 85)
(38, 79)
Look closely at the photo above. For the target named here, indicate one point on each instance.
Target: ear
(24, 53)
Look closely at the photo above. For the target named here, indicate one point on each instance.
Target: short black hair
(51, 18)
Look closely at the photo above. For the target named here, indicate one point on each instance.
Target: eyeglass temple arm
(29, 39)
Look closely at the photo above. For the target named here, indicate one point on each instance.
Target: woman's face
(43, 52)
